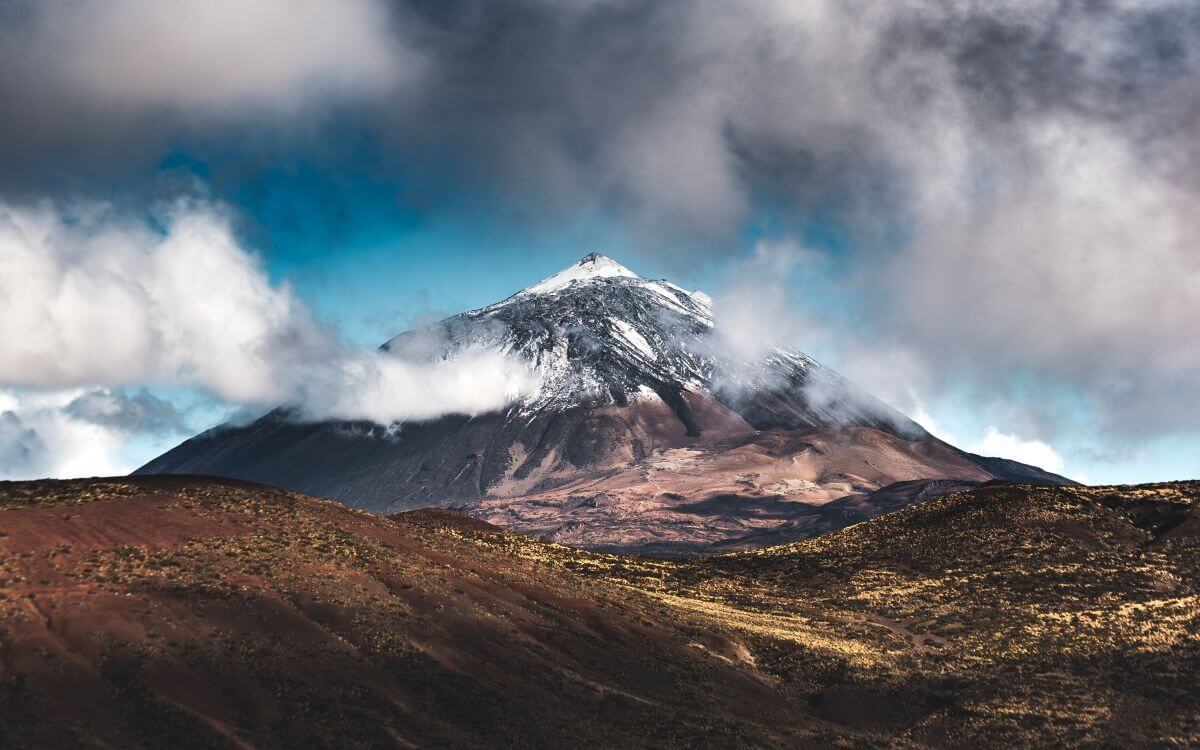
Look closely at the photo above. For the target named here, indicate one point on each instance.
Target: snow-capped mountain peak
(598, 334)
(626, 371)
(591, 267)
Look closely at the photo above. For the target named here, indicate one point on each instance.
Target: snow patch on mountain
(633, 338)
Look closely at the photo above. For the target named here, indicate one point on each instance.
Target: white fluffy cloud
(756, 311)
(39, 437)
(387, 388)
(91, 297)
(1005, 445)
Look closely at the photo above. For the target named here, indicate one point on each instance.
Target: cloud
(1083, 273)
(1019, 177)
(20, 448)
(143, 412)
(91, 297)
(682, 115)
(755, 311)
(206, 59)
(40, 437)
(386, 388)
(97, 84)
(1032, 452)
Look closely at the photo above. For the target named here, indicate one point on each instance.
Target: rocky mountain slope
(189, 612)
(643, 408)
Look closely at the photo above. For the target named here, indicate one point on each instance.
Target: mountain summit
(591, 267)
(647, 432)
(598, 334)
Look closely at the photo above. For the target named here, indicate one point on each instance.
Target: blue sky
(970, 211)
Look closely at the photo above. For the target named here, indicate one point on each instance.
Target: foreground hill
(648, 430)
(191, 612)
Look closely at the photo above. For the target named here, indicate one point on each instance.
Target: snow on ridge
(633, 338)
(701, 303)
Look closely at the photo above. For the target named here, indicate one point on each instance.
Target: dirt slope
(746, 491)
(196, 613)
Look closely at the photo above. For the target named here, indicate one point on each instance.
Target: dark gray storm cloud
(679, 115)
(98, 91)
(1021, 176)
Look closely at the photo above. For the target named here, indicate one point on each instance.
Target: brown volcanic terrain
(737, 492)
(160, 611)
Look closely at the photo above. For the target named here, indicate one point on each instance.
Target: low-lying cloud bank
(93, 298)
(79, 432)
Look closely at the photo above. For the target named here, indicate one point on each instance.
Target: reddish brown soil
(225, 614)
(185, 612)
(738, 492)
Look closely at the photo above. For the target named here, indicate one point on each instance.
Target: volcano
(649, 431)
